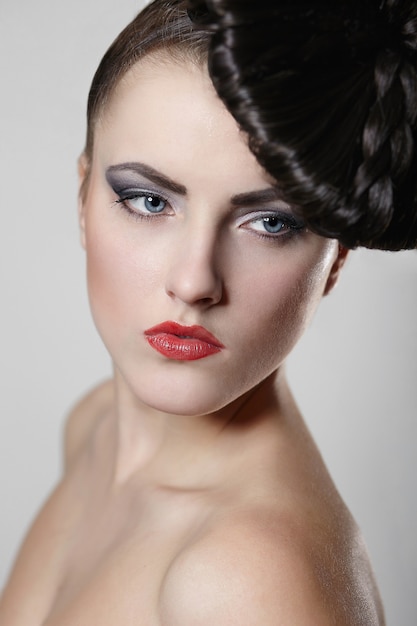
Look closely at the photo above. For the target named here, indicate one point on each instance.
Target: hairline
(172, 54)
(179, 52)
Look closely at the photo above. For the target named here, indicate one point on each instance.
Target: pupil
(154, 204)
(273, 224)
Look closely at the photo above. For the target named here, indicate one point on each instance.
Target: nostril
(204, 290)
(194, 276)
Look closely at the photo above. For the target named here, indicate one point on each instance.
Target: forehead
(165, 112)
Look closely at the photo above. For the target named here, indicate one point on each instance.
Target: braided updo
(327, 92)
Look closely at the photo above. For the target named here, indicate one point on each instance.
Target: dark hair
(163, 25)
(327, 92)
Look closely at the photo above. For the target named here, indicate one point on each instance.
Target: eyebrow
(148, 172)
(249, 198)
(261, 196)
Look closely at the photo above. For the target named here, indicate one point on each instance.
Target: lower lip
(181, 348)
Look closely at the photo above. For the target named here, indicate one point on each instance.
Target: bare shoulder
(39, 563)
(263, 568)
(83, 418)
(42, 556)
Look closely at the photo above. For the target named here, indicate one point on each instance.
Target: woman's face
(180, 224)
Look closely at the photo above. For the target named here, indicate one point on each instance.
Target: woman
(193, 492)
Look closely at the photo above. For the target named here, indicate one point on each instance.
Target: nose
(193, 275)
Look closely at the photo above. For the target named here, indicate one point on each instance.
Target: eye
(153, 204)
(271, 224)
(142, 203)
(274, 225)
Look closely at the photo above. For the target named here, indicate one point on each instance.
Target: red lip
(182, 343)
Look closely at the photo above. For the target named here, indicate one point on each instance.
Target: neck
(186, 451)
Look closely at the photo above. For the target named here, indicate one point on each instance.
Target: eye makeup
(138, 188)
(144, 205)
(272, 225)
(131, 174)
(139, 184)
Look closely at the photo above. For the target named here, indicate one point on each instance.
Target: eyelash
(126, 196)
(291, 225)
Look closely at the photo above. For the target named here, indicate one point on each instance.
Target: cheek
(121, 273)
(103, 263)
(280, 303)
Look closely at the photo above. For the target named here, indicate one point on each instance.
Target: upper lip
(187, 332)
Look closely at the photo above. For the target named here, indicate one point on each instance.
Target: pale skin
(193, 493)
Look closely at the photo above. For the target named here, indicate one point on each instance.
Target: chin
(188, 398)
(185, 406)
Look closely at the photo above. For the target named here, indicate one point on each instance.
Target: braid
(388, 143)
(327, 93)
(387, 147)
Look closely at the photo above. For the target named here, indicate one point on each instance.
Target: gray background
(354, 373)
